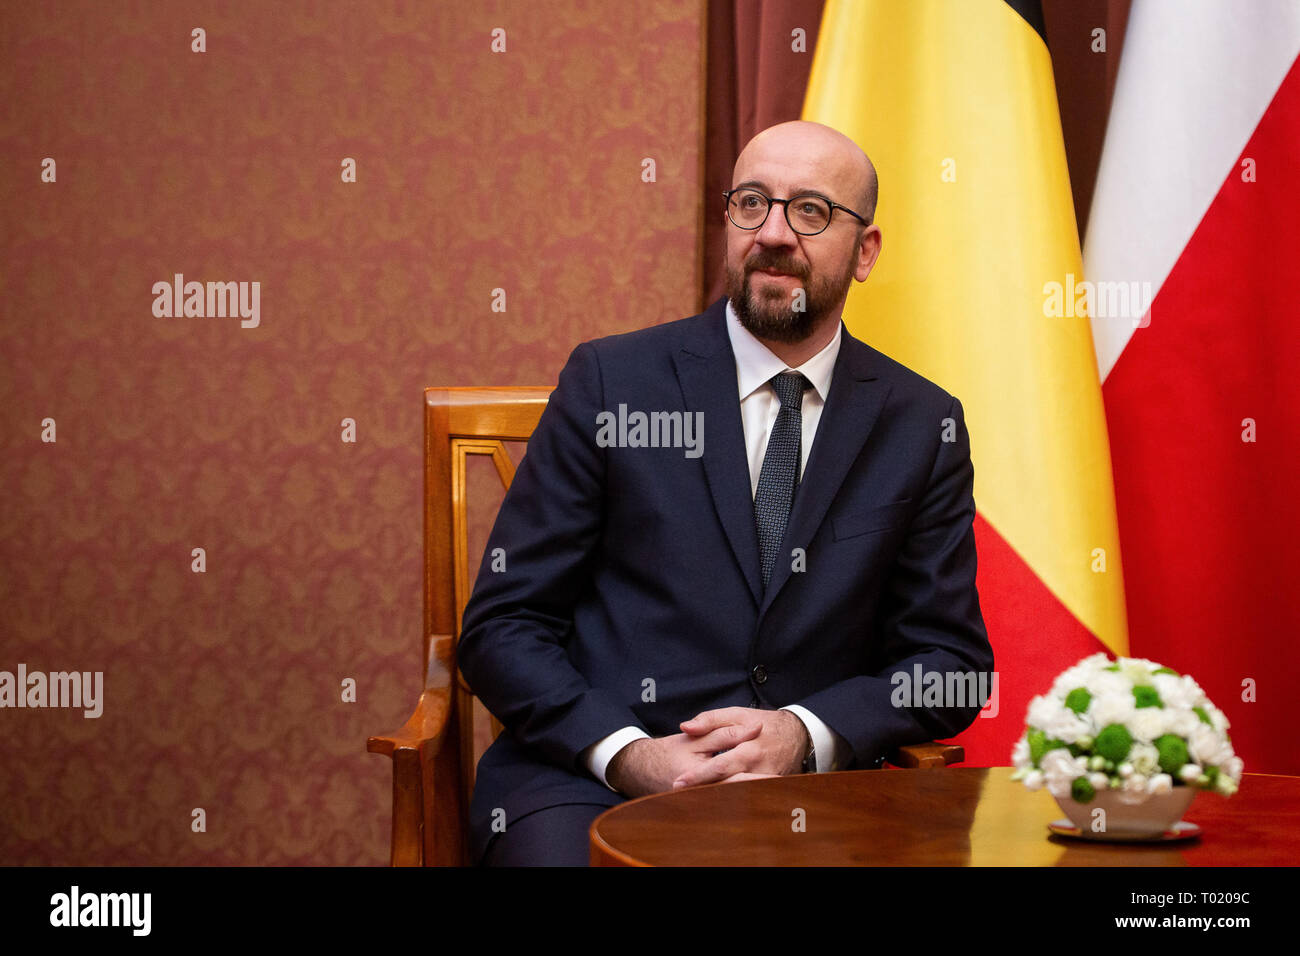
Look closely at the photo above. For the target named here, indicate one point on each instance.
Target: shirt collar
(755, 363)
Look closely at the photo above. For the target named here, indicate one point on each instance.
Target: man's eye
(752, 202)
(809, 207)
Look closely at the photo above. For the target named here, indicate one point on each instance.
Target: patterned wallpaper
(518, 169)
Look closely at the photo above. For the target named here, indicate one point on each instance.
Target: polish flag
(1197, 201)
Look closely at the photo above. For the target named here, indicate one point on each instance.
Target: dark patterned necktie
(780, 472)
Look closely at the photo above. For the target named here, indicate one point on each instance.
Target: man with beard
(667, 619)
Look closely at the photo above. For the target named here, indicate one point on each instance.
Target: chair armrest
(426, 812)
(928, 755)
(424, 729)
(414, 749)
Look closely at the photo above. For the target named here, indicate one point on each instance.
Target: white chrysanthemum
(1067, 681)
(1067, 726)
(1189, 772)
(1225, 785)
(1144, 758)
(1125, 769)
(1134, 789)
(1108, 684)
(1020, 753)
(1160, 783)
(1034, 780)
(1232, 767)
(1099, 781)
(1112, 709)
(1148, 723)
(1042, 711)
(1136, 669)
(1175, 693)
(1183, 722)
(1075, 677)
(1207, 747)
(1217, 717)
(1060, 770)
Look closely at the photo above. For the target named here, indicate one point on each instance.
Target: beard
(770, 313)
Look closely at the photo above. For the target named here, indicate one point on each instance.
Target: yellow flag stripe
(956, 106)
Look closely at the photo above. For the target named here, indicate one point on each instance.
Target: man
(727, 536)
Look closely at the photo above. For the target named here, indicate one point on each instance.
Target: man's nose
(776, 230)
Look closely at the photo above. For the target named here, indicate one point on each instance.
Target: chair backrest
(460, 422)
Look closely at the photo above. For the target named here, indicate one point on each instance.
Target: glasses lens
(808, 214)
(747, 208)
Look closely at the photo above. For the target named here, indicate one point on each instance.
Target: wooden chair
(434, 753)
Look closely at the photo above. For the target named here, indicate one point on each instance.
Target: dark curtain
(755, 80)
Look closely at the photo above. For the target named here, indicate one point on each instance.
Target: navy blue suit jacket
(631, 565)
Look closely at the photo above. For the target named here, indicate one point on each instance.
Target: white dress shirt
(755, 367)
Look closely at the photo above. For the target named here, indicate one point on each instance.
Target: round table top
(956, 816)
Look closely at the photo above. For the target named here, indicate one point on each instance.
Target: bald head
(811, 156)
(788, 279)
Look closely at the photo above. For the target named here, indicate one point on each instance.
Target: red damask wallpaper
(210, 494)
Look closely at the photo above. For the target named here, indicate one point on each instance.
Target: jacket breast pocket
(883, 518)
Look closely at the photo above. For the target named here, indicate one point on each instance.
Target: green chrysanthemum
(1039, 744)
(1172, 751)
(1035, 739)
(1078, 700)
(1144, 696)
(1114, 742)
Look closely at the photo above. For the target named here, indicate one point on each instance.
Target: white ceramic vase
(1147, 820)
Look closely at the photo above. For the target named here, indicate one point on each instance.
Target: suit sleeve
(929, 615)
(512, 649)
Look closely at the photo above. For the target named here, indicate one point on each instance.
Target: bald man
(731, 538)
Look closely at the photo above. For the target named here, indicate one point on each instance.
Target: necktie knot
(790, 387)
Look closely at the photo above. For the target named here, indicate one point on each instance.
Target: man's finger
(724, 737)
(711, 719)
(737, 760)
(736, 777)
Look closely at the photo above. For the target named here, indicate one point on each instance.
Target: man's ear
(868, 251)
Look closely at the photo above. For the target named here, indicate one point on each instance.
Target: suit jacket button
(759, 673)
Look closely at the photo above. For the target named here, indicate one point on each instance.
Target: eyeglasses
(808, 214)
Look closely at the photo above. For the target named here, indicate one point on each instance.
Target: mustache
(777, 263)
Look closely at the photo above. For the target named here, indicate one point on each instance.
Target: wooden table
(950, 817)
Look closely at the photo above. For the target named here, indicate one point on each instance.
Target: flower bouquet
(1130, 737)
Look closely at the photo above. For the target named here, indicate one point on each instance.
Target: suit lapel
(706, 369)
(851, 410)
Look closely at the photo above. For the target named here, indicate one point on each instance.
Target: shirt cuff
(602, 751)
(828, 746)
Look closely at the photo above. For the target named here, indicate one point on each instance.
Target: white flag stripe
(1195, 77)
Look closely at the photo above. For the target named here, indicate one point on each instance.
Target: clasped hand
(724, 745)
